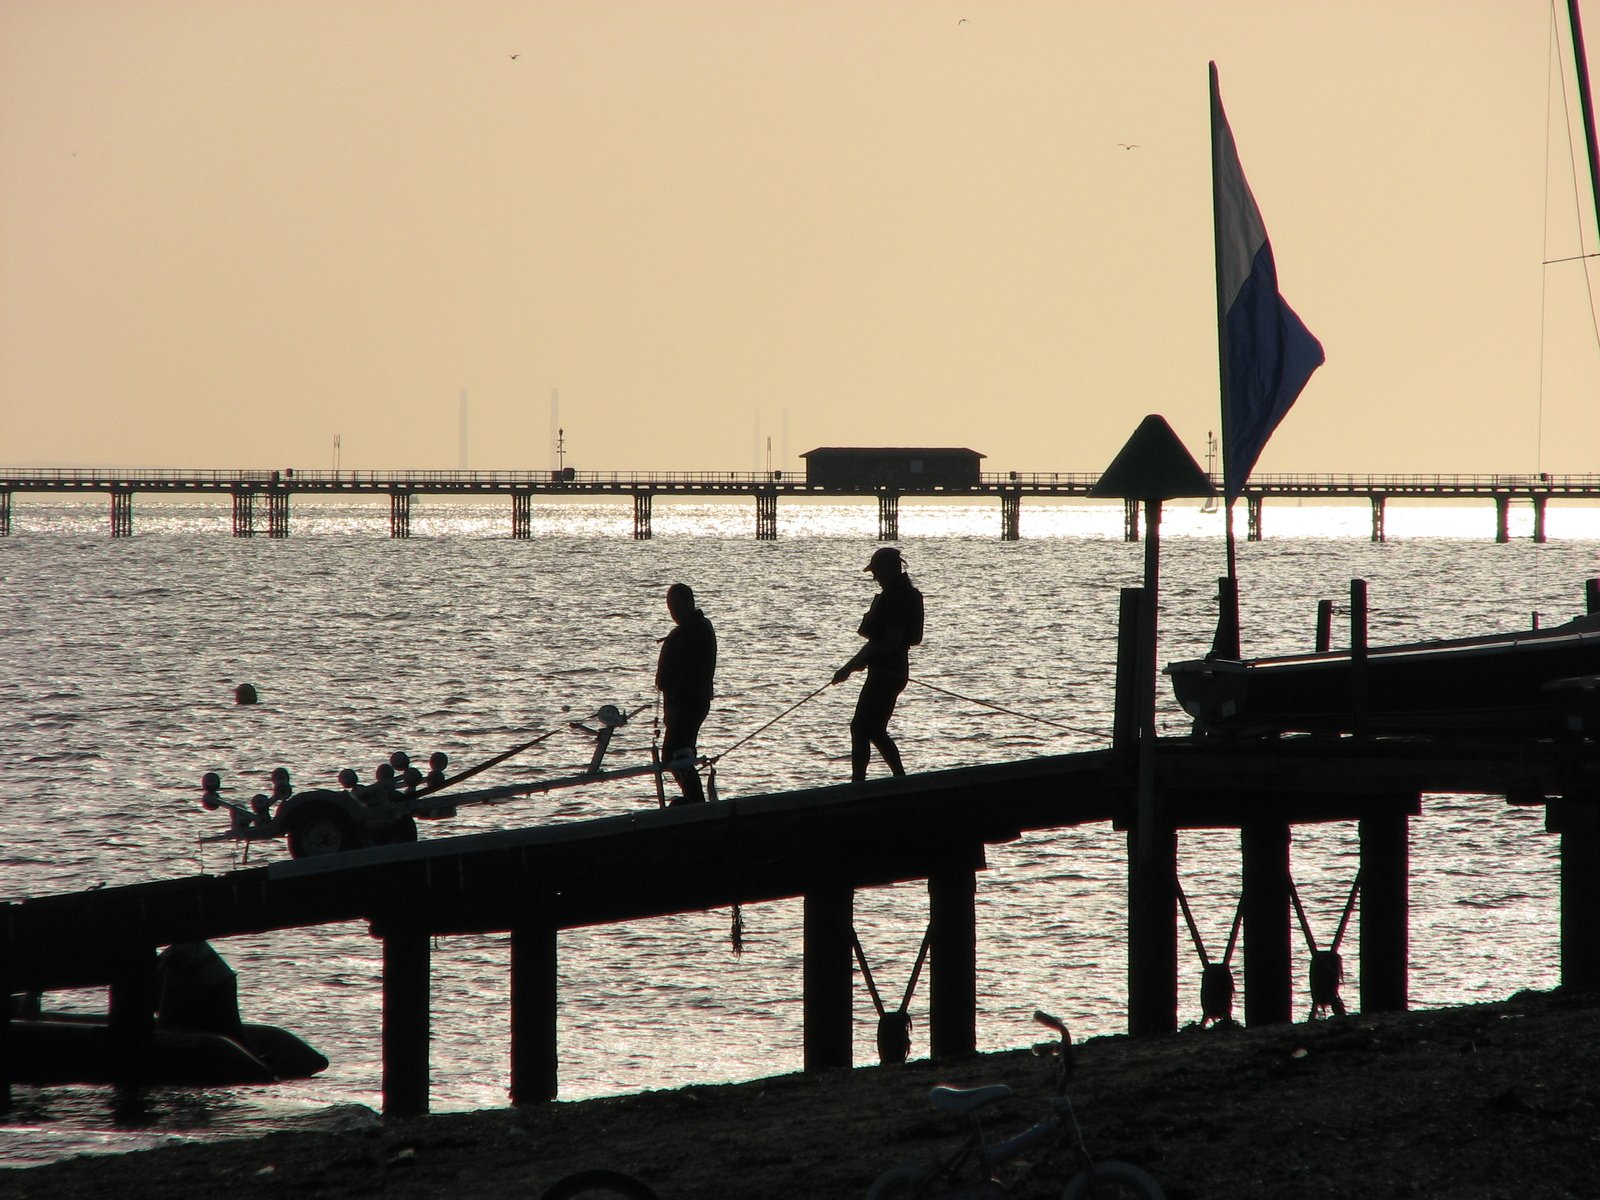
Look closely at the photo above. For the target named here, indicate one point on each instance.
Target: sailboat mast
(1586, 103)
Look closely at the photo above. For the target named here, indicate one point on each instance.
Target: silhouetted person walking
(684, 672)
(892, 626)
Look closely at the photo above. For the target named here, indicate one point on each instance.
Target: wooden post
(953, 960)
(1359, 695)
(1152, 929)
(1252, 508)
(1578, 823)
(1538, 518)
(1130, 520)
(1502, 528)
(535, 1053)
(399, 513)
(828, 975)
(1268, 989)
(132, 1018)
(1377, 518)
(1125, 703)
(121, 512)
(1324, 626)
(1385, 911)
(5, 512)
(521, 515)
(8, 987)
(641, 516)
(405, 1019)
(1591, 595)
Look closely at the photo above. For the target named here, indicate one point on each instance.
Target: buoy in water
(245, 693)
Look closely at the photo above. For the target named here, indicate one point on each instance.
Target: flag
(1267, 353)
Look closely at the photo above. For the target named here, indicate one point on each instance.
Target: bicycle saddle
(963, 1100)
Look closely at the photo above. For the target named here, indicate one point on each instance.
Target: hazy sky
(233, 229)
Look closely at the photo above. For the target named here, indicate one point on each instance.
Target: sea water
(119, 659)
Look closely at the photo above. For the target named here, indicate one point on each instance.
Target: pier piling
(1268, 986)
(405, 1017)
(534, 1058)
(827, 974)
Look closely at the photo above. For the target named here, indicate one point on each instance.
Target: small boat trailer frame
(330, 820)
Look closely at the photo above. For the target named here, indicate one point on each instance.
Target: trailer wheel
(321, 829)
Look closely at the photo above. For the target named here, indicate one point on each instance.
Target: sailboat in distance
(1534, 682)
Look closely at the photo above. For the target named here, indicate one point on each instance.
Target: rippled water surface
(120, 657)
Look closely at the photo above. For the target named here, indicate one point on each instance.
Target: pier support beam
(5, 514)
(767, 516)
(521, 515)
(121, 512)
(1377, 518)
(1502, 523)
(1385, 911)
(1538, 518)
(534, 1051)
(405, 1019)
(641, 516)
(1010, 515)
(399, 514)
(244, 514)
(1130, 520)
(1252, 506)
(888, 516)
(827, 974)
(953, 959)
(1152, 930)
(1264, 899)
(131, 1019)
(1578, 823)
(278, 513)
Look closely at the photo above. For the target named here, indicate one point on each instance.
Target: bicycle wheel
(599, 1184)
(1113, 1181)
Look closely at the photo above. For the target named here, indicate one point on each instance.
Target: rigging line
(1010, 712)
(1577, 199)
(1550, 262)
(754, 733)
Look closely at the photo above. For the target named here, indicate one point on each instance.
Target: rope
(1010, 712)
(1216, 978)
(894, 1028)
(1327, 967)
(757, 732)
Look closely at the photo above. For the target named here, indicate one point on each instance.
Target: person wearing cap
(684, 673)
(892, 626)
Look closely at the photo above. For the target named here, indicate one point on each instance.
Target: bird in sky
(515, 57)
(1129, 145)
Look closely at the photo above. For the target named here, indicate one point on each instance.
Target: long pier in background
(266, 494)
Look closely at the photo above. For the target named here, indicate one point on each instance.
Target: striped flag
(1267, 353)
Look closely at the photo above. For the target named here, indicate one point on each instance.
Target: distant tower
(461, 436)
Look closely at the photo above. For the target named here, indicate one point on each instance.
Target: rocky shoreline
(1487, 1101)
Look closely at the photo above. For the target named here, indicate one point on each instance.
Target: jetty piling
(763, 487)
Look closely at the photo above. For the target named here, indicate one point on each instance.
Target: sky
(715, 234)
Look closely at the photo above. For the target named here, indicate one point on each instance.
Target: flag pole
(1225, 643)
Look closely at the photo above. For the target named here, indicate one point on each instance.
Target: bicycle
(599, 1183)
(969, 1172)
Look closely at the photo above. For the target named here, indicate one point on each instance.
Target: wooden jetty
(822, 845)
(258, 494)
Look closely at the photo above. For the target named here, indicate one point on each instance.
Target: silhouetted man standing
(684, 672)
(892, 626)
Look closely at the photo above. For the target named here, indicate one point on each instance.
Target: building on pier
(892, 466)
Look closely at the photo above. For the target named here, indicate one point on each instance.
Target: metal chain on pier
(1216, 978)
(894, 1028)
(1327, 968)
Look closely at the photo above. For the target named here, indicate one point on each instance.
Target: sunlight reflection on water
(120, 657)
